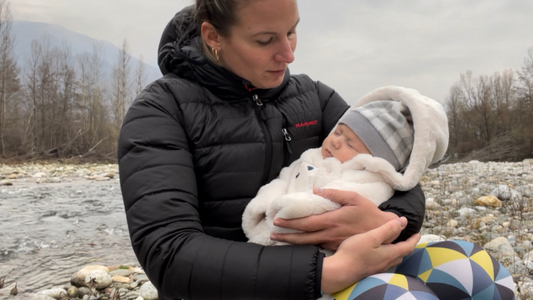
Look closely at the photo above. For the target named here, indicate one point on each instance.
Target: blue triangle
(487, 293)
(309, 168)
(425, 263)
(377, 292)
(467, 247)
(438, 276)
(394, 292)
(502, 273)
(411, 264)
(364, 285)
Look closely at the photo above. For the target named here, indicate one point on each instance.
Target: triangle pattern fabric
(483, 259)
(451, 245)
(482, 279)
(438, 277)
(463, 279)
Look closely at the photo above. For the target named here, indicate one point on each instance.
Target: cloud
(422, 44)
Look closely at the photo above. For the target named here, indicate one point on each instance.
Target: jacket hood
(180, 52)
(431, 136)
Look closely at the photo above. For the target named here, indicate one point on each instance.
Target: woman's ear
(210, 35)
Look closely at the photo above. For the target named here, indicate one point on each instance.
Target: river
(48, 231)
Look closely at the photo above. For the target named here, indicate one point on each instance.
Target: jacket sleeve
(410, 204)
(160, 198)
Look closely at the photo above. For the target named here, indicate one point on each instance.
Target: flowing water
(48, 231)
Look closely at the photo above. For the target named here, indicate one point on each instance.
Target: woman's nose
(286, 51)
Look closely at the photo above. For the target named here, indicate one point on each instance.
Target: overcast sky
(353, 46)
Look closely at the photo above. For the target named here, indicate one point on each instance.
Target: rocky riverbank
(490, 204)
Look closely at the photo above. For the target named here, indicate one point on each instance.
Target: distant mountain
(25, 32)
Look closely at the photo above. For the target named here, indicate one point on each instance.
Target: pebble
(105, 285)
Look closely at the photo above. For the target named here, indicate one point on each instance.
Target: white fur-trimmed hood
(431, 135)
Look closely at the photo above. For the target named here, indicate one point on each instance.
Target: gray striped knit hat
(386, 129)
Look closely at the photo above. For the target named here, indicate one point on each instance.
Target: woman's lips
(277, 72)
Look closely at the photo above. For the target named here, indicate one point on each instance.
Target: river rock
(500, 247)
(525, 191)
(427, 238)
(84, 291)
(78, 278)
(121, 279)
(42, 297)
(52, 293)
(432, 205)
(148, 291)
(466, 211)
(528, 260)
(452, 223)
(502, 192)
(490, 201)
(120, 272)
(102, 278)
(73, 292)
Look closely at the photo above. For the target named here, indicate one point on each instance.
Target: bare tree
(524, 105)
(9, 78)
(92, 113)
(140, 77)
(65, 128)
(121, 85)
(32, 96)
(454, 108)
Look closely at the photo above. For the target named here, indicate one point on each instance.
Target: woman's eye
(264, 43)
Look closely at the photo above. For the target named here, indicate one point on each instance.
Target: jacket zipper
(287, 137)
(259, 110)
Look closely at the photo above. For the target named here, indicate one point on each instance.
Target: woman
(197, 144)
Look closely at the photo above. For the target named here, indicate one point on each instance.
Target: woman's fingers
(356, 215)
(389, 231)
(339, 196)
(308, 224)
(366, 254)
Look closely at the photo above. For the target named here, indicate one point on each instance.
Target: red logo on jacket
(304, 124)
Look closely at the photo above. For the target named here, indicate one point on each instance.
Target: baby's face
(343, 144)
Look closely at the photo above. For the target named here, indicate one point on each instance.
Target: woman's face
(261, 45)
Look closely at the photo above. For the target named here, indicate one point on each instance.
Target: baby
(378, 146)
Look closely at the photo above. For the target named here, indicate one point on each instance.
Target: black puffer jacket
(195, 147)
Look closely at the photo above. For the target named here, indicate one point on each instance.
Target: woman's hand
(356, 215)
(365, 254)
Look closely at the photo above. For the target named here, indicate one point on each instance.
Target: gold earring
(215, 54)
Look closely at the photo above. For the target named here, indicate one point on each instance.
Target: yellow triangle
(482, 258)
(440, 256)
(421, 245)
(424, 276)
(344, 294)
(399, 280)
